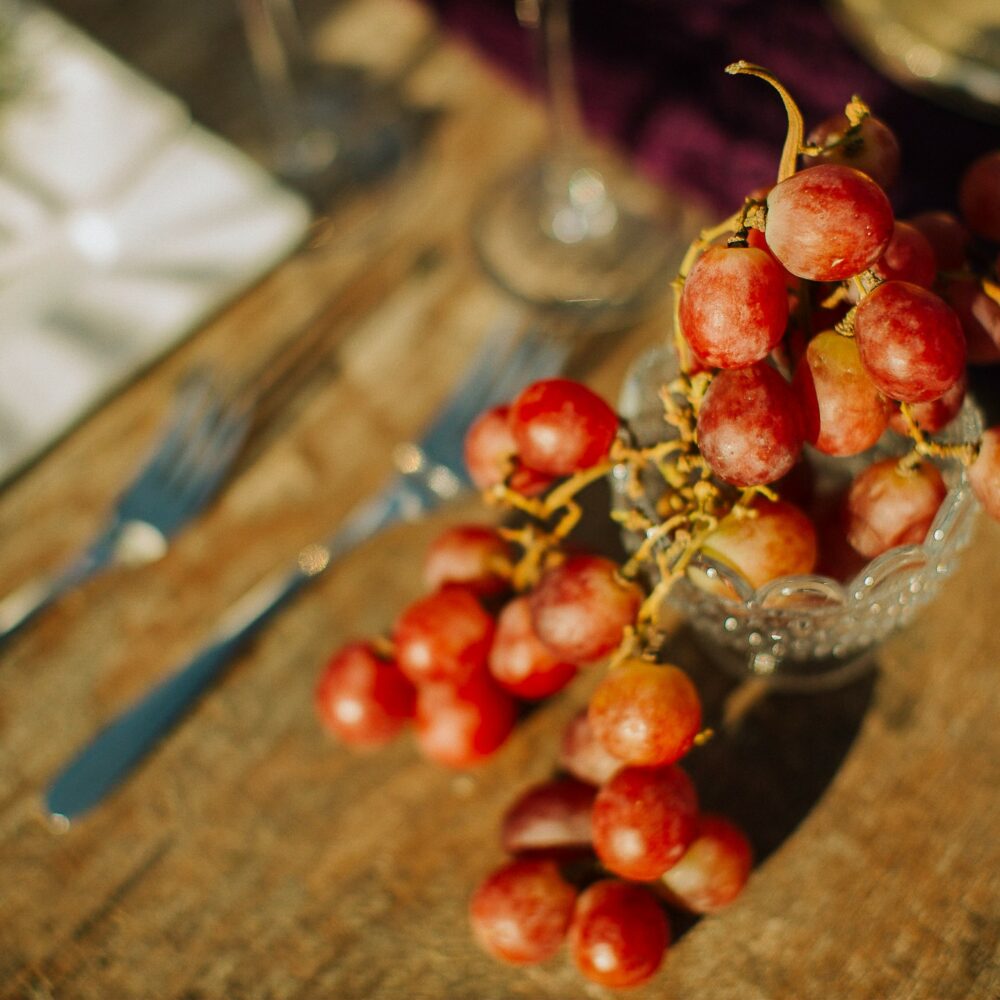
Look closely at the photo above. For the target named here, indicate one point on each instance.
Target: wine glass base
(594, 249)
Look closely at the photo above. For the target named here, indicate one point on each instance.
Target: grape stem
(796, 125)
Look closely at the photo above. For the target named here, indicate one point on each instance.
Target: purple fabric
(651, 79)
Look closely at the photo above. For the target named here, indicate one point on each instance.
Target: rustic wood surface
(252, 858)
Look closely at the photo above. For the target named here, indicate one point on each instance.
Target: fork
(180, 476)
(431, 472)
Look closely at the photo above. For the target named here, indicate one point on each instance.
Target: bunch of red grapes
(809, 323)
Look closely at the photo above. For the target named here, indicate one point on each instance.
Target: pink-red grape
(619, 934)
(843, 413)
(473, 555)
(887, 506)
(871, 147)
(489, 447)
(777, 540)
(363, 699)
(461, 726)
(910, 342)
(936, 414)
(583, 755)
(581, 607)
(644, 820)
(561, 427)
(828, 222)
(984, 473)
(645, 713)
(445, 636)
(908, 257)
(948, 238)
(714, 868)
(979, 315)
(733, 306)
(521, 912)
(979, 196)
(749, 426)
(554, 816)
(519, 661)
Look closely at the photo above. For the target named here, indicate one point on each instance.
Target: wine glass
(331, 123)
(569, 231)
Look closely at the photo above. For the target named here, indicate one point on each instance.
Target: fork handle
(22, 605)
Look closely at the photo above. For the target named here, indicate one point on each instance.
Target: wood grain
(252, 858)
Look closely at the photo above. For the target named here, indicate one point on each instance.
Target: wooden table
(250, 857)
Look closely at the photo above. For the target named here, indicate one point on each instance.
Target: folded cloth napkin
(123, 225)
(651, 79)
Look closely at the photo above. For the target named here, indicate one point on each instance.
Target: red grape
(363, 699)
(460, 726)
(871, 147)
(908, 257)
(935, 414)
(644, 820)
(714, 869)
(645, 713)
(619, 934)
(521, 913)
(842, 411)
(445, 636)
(749, 426)
(519, 661)
(910, 342)
(979, 196)
(984, 473)
(490, 448)
(828, 222)
(979, 315)
(948, 238)
(473, 555)
(887, 506)
(733, 306)
(553, 816)
(561, 426)
(581, 607)
(778, 540)
(584, 755)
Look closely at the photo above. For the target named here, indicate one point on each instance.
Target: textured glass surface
(813, 630)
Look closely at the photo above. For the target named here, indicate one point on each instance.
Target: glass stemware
(570, 231)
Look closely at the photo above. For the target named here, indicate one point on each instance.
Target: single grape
(644, 820)
(489, 448)
(561, 427)
(749, 426)
(581, 607)
(948, 238)
(363, 699)
(445, 636)
(908, 257)
(984, 473)
(519, 661)
(889, 506)
(619, 934)
(979, 315)
(521, 913)
(714, 868)
(554, 816)
(583, 755)
(935, 414)
(733, 306)
(828, 222)
(910, 342)
(843, 413)
(645, 713)
(473, 555)
(459, 726)
(870, 147)
(774, 539)
(979, 196)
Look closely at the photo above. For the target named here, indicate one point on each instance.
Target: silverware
(431, 471)
(181, 475)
